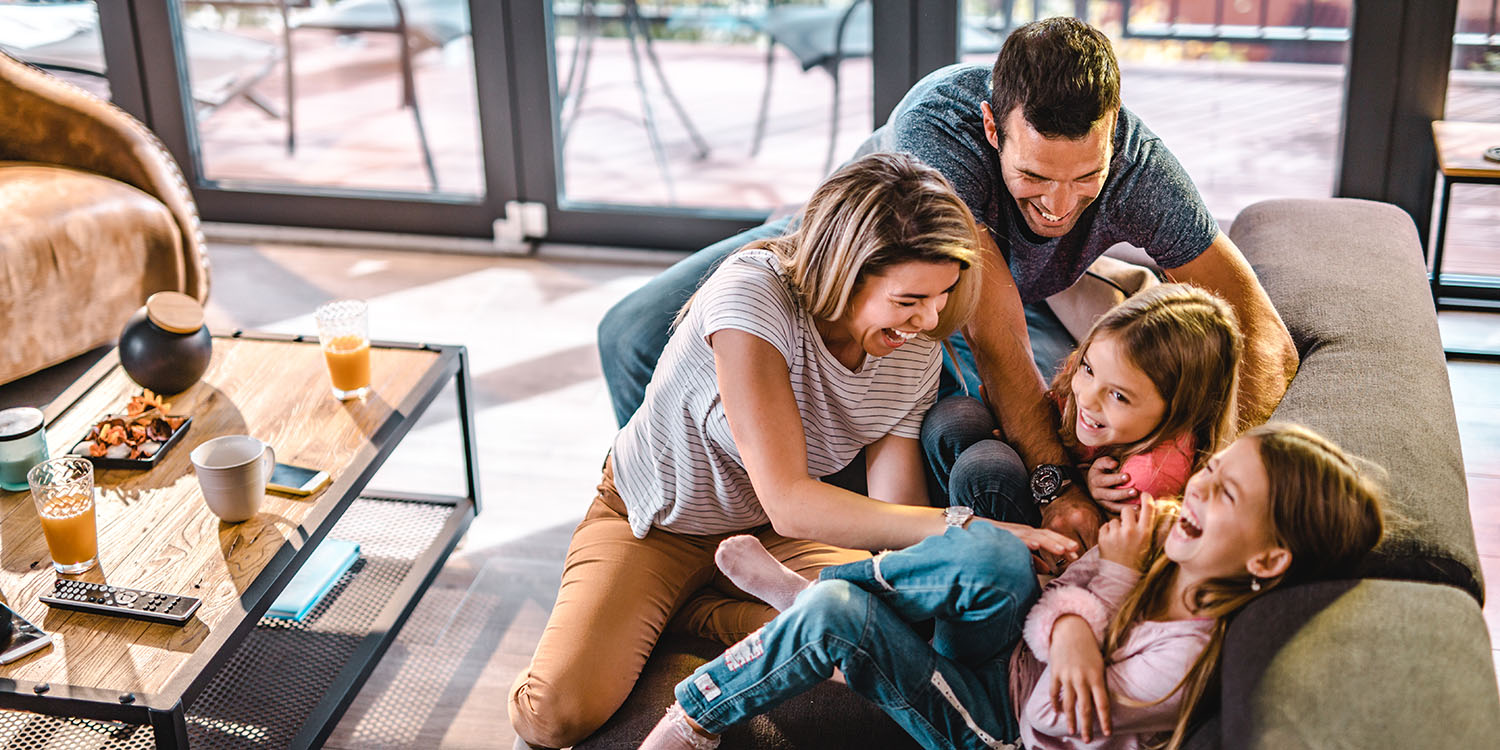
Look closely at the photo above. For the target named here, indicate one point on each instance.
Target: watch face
(957, 515)
(1046, 482)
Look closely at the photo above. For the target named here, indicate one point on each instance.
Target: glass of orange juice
(344, 332)
(63, 489)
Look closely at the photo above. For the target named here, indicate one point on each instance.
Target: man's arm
(1270, 358)
(1017, 394)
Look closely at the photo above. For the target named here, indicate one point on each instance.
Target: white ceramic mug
(232, 471)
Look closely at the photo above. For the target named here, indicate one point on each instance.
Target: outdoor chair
(65, 36)
(823, 37)
(419, 24)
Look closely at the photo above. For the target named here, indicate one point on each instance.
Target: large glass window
(344, 95)
(715, 104)
(1246, 93)
(60, 37)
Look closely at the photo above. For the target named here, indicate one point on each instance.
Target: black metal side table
(1460, 161)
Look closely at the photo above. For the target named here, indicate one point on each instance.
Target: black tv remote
(99, 598)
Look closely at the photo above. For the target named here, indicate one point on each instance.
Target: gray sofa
(1398, 659)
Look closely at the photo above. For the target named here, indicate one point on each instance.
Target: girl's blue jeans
(976, 584)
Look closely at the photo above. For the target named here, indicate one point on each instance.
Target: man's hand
(1074, 516)
(1104, 485)
(1127, 540)
(1270, 358)
(1078, 689)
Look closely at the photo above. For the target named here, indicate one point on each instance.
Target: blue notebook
(312, 582)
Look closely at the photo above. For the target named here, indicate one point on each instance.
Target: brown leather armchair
(94, 218)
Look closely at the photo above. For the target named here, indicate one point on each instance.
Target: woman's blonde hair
(1323, 509)
(872, 214)
(1187, 340)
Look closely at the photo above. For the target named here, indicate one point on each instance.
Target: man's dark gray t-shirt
(1147, 201)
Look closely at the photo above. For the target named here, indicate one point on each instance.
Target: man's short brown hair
(1061, 72)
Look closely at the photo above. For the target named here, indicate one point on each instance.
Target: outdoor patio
(1244, 131)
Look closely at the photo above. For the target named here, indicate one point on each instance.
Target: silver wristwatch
(957, 515)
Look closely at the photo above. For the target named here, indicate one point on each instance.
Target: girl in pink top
(1148, 394)
(1117, 652)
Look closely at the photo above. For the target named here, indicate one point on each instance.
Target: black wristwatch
(1048, 481)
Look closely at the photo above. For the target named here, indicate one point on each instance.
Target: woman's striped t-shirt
(675, 461)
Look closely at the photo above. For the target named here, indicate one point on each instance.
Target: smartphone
(296, 480)
(18, 637)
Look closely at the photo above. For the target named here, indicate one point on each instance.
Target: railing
(1231, 23)
(1308, 21)
(1487, 36)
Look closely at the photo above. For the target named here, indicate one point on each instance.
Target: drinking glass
(63, 489)
(344, 332)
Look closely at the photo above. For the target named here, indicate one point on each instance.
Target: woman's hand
(1127, 540)
(1078, 689)
(1041, 540)
(1104, 485)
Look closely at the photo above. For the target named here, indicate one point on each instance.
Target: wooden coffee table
(227, 678)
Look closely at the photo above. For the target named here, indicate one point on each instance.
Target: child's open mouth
(1189, 528)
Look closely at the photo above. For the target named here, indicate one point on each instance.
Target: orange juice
(348, 362)
(68, 525)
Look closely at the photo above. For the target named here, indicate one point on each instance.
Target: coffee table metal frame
(166, 712)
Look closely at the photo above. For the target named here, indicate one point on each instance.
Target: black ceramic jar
(164, 346)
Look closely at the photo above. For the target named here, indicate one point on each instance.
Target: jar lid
(19, 421)
(175, 312)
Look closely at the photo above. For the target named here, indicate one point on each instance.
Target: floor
(544, 424)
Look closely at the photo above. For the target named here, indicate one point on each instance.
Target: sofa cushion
(1365, 664)
(1348, 278)
(79, 253)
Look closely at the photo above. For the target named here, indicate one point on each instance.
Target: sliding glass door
(673, 123)
(347, 114)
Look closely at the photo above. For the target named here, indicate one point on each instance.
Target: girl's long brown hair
(1187, 341)
(1323, 510)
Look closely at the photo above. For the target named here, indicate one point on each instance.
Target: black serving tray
(104, 462)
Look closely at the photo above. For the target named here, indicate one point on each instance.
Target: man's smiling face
(1051, 179)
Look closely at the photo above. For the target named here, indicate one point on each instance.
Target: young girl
(1119, 649)
(1146, 397)
(795, 355)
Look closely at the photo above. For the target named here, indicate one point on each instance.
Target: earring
(1254, 583)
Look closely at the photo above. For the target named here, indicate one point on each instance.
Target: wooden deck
(1245, 132)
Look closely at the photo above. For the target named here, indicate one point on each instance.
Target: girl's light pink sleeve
(1163, 471)
(1144, 675)
(1091, 588)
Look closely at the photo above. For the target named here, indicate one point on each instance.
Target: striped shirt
(676, 464)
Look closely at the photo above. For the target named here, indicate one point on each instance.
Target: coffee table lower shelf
(287, 683)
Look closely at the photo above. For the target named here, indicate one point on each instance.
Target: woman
(795, 355)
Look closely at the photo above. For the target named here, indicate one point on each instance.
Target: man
(1055, 171)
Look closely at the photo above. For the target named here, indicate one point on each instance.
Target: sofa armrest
(1348, 278)
(1359, 664)
(53, 122)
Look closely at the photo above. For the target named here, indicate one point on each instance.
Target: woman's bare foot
(676, 731)
(746, 562)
